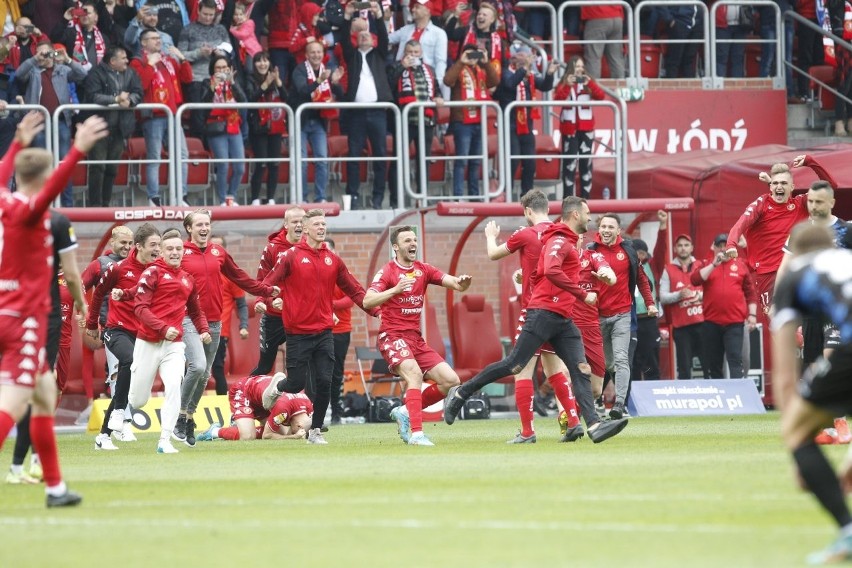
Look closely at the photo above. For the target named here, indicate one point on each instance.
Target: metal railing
(296, 144)
(236, 106)
(48, 131)
(718, 81)
(838, 42)
(98, 109)
(484, 119)
(703, 40)
(554, 25)
(618, 153)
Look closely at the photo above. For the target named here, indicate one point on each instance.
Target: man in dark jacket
(111, 83)
(368, 83)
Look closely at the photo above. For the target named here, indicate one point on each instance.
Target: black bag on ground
(355, 404)
(380, 408)
(477, 407)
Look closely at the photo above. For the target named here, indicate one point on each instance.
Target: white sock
(215, 432)
(57, 490)
(17, 469)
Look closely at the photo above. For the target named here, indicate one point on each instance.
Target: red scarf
(496, 47)
(274, 118)
(80, 53)
(321, 94)
(523, 113)
(161, 93)
(473, 88)
(407, 92)
(222, 94)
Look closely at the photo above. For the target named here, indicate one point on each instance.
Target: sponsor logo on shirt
(9, 285)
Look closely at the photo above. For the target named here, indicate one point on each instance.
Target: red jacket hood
(618, 241)
(307, 12)
(558, 227)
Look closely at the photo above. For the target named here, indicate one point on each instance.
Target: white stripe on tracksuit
(169, 359)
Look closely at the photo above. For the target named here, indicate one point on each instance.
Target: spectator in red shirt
(400, 289)
(767, 222)
(616, 302)
(603, 24)
(729, 300)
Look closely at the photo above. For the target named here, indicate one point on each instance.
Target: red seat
(651, 58)
(826, 74)
(477, 341)
(546, 168)
(199, 173)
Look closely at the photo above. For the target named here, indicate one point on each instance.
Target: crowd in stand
(123, 53)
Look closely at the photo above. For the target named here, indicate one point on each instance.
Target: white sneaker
(270, 202)
(271, 393)
(125, 434)
(103, 442)
(116, 419)
(166, 447)
(419, 439)
(315, 436)
(255, 201)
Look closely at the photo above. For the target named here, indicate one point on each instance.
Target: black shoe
(573, 434)
(323, 428)
(190, 433)
(606, 430)
(67, 499)
(356, 202)
(335, 420)
(452, 405)
(617, 411)
(179, 432)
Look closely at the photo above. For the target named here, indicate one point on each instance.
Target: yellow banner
(212, 408)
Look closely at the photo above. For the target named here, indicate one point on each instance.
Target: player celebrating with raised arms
(26, 269)
(400, 288)
(288, 416)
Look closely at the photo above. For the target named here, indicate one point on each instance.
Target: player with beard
(307, 274)
(288, 417)
(119, 330)
(527, 242)
(549, 311)
(25, 273)
(400, 289)
(767, 222)
(815, 285)
(207, 263)
(272, 334)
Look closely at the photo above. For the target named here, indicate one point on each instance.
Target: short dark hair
(147, 32)
(570, 204)
(822, 185)
(113, 51)
(401, 229)
(144, 232)
(330, 242)
(216, 59)
(536, 200)
(613, 216)
(207, 4)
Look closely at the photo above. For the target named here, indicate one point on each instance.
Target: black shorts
(828, 383)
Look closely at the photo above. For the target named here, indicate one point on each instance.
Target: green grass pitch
(708, 491)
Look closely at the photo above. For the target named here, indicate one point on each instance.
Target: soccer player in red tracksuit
(206, 262)
(527, 242)
(25, 273)
(163, 289)
(119, 330)
(730, 300)
(400, 289)
(272, 334)
(767, 222)
(616, 302)
(549, 312)
(287, 419)
(307, 274)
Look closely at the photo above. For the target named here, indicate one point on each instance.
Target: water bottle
(606, 193)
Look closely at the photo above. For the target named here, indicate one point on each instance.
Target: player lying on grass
(282, 417)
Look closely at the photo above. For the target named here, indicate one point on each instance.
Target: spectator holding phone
(470, 79)
(22, 42)
(148, 17)
(577, 126)
(223, 127)
(266, 126)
